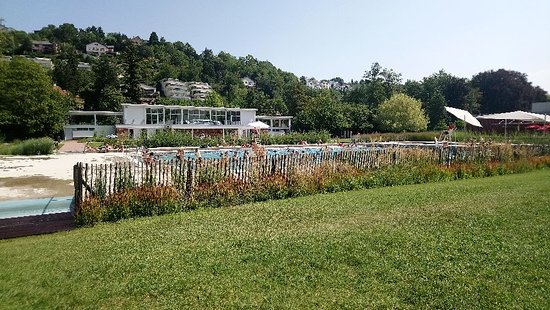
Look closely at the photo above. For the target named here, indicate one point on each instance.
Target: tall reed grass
(40, 146)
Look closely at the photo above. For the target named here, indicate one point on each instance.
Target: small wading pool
(32, 207)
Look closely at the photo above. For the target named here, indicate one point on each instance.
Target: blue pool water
(274, 151)
(31, 207)
(229, 153)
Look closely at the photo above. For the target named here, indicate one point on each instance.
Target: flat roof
(188, 107)
(274, 117)
(108, 113)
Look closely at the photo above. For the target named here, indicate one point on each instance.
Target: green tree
(401, 113)
(65, 73)
(132, 63)
(443, 89)
(505, 91)
(213, 100)
(66, 33)
(378, 84)
(105, 95)
(153, 39)
(29, 105)
(360, 117)
(324, 112)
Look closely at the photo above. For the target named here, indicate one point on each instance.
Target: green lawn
(480, 243)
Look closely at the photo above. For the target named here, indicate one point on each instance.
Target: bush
(40, 146)
(212, 190)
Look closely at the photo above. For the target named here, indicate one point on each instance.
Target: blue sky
(326, 39)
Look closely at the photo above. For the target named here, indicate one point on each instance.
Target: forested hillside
(114, 79)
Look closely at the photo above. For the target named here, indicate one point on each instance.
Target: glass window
(173, 116)
(194, 114)
(198, 114)
(234, 117)
(154, 116)
(219, 116)
(185, 116)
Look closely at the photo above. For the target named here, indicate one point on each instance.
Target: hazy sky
(326, 39)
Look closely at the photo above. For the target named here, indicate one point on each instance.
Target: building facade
(278, 125)
(88, 124)
(44, 47)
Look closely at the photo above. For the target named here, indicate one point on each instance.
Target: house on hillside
(148, 91)
(324, 84)
(199, 90)
(248, 82)
(311, 83)
(44, 47)
(84, 66)
(137, 40)
(176, 89)
(98, 49)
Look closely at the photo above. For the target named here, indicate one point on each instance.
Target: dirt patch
(34, 187)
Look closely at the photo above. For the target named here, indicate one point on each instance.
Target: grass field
(479, 243)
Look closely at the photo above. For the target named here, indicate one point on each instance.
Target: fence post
(189, 183)
(77, 180)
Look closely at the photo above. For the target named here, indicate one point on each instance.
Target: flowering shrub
(214, 190)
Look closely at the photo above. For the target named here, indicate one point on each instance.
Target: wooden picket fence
(106, 179)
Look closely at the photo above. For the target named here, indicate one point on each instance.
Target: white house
(248, 82)
(311, 82)
(324, 84)
(96, 48)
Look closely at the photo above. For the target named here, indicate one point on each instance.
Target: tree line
(369, 104)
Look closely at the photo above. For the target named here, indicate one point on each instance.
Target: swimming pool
(240, 152)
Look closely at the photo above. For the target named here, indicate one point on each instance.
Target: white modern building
(143, 119)
(139, 119)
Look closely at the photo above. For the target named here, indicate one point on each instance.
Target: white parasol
(464, 115)
(258, 125)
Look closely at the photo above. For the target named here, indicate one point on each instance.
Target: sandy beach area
(25, 177)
